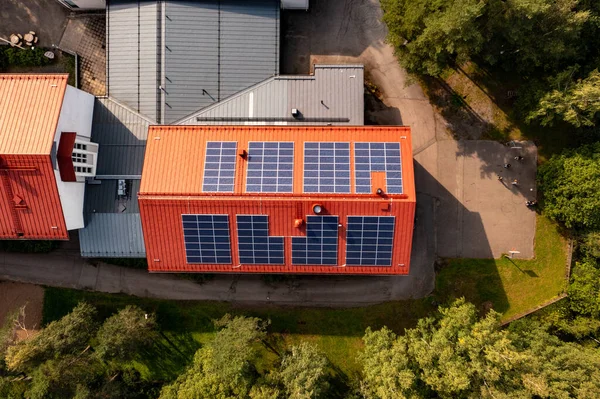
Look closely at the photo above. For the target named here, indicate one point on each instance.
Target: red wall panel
(163, 231)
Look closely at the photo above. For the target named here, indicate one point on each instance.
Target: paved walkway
(64, 268)
(46, 17)
(476, 216)
(86, 36)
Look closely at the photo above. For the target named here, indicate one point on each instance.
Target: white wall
(75, 116)
(84, 4)
(294, 4)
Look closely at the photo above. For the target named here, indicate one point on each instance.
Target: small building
(278, 199)
(45, 156)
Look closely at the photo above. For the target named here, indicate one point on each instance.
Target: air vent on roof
(295, 112)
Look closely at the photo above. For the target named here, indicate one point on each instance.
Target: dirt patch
(15, 295)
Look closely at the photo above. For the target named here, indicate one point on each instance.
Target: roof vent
(295, 112)
(317, 209)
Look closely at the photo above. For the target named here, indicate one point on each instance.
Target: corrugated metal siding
(161, 221)
(221, 47)
(112, 235)
(249, 43)
(132, 54)
(30, 106)
(192, 56)
(341, 87)
(42, 218)
(121, 134)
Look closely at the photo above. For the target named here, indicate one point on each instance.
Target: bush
(26, 58)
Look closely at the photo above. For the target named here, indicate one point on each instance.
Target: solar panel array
(206, 238)
(219, 166)
(270, 167)
(319, 247)
(369, 240)
(254, 244)
(326, 167)
(377, 157)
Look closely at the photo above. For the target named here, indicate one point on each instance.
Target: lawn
(510, 286)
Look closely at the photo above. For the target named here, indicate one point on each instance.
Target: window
(79, 146)
(79, 157)
(83, 169)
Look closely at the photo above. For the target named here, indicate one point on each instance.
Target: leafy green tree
(556, 369)
(123, 334)
(303, 372)
(429, 35)
(529, 35)
(570, 184)
(223, 368)
(452, 356)
(584, 290)
(577, 103)
(69, 335)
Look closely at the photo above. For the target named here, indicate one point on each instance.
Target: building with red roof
(45, 156)
(274, 199)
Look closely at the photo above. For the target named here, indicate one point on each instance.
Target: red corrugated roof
(172, 186)
(29, 110)
(174, 162)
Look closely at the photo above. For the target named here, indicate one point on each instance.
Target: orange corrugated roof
(174, 162)
(29, 110)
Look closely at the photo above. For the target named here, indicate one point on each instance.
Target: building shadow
(377, 112)
(343, 28)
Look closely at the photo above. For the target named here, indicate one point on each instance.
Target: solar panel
(206, 238)
(369, 240)
(319, 247)
(326, 167)
(377, 157)
(254, 244)
(270, 167)
(219, 166)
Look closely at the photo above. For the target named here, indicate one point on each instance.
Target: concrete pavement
(64, 268)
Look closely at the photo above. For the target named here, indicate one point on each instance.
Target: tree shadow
(170, 354)
(376, 112)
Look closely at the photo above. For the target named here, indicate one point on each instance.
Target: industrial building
(269, 199)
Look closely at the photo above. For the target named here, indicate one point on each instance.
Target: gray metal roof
(100, 238)
(112, 224)
(121, 134)
(333, 94)
(167, 59)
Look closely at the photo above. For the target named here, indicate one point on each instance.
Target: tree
(430, 35)
(223, 368)
(451, 356)
(556, 369)
(577, 103)
(68, 335)
(584, 290)
(570, 184)
(303, 372)
(529, 35)
(124, 333)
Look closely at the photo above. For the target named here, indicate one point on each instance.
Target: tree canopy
(459, 355)
(570, 183)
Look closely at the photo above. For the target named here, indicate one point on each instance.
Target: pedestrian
(506, 165)
(499, 178)
(515, 182)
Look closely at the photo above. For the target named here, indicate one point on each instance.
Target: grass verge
(510, 286)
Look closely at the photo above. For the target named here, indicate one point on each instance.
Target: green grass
(512, 286)
(187, 325)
